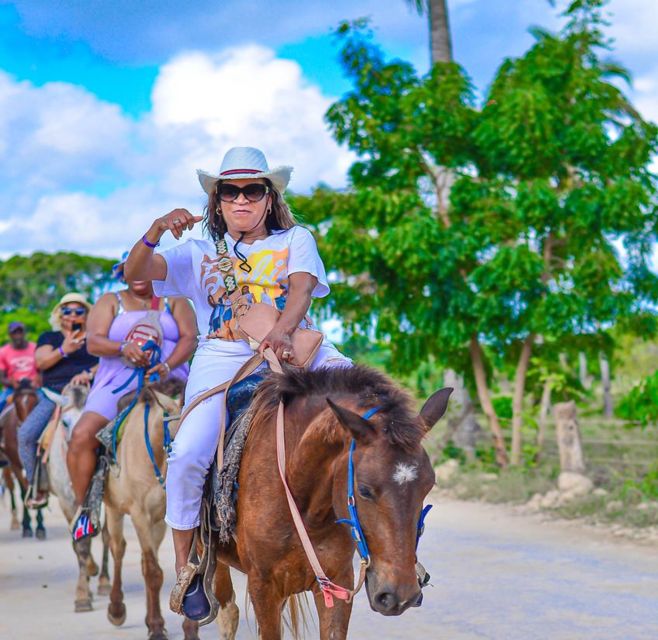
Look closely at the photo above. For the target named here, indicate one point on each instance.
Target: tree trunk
(584, 377)
(485, 402)
(517, 398)
(544, 405)
(440, 41)
(568, 437)
(463, 428)
(605, 384)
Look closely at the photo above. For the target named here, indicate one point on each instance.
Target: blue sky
(106, 108)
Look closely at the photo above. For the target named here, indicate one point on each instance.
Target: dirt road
(496, 575)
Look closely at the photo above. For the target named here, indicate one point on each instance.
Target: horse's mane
(169, 388)
(368, 387)
(78, 395)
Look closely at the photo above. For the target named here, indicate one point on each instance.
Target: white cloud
(633, 26)
(76, 173)
(55, 135)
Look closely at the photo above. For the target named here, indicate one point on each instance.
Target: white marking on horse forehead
(405, 473)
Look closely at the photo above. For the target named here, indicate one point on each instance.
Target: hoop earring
(218, 211)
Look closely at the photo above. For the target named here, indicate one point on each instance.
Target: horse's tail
(297, 620)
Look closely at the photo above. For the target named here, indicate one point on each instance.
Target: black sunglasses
(254, 192)
(78, 311)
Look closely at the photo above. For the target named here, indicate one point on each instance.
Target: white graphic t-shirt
(192, 272)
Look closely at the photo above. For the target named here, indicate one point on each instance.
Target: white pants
(195, 444)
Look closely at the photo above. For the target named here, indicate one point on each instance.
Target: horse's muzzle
(389, 600)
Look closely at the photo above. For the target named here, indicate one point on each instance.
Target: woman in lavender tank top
(109, 330)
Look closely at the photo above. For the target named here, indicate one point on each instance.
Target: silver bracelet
(164, 364)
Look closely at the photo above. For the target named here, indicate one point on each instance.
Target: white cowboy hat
(245, 162)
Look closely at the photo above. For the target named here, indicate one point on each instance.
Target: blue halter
(353, 521)
(140, 374)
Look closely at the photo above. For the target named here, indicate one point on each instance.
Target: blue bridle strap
(140, 373)
(353, 521)
(149, 447)
(420, 528)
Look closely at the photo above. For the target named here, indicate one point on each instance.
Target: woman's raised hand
(73, 341)
(176, 221)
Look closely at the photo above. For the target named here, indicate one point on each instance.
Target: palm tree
(440, 41)
(465, 421)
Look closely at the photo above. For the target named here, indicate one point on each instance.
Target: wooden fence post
(568, 437)
(605, 384)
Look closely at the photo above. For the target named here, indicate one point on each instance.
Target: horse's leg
(190, 629)
(27, 521)
(333, 622)
(229, 614)
(11, 449)
(150, 537)
(116, 610)
(268, 607)
(82, 549)
(41, 529)
(92, 565)
(11, 486)
(104, 578)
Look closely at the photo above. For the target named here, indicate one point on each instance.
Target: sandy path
(496, 575)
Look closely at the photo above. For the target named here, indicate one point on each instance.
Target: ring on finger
(176, 221)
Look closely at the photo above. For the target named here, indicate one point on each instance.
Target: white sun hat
(245, 162)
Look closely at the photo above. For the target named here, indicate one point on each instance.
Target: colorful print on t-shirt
(266, 281)
(193, 272)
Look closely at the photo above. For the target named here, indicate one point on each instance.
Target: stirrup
(193, 595)
(35, 500)
(183, 582)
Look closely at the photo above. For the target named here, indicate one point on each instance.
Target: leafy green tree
(31, 285)
(36, 282)
(543, 180)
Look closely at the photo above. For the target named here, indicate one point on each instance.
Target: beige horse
(135, 491)
(72, 404)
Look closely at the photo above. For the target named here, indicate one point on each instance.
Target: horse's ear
(435, 406)
(359, 428)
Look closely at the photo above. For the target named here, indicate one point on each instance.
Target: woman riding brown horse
(324, 412)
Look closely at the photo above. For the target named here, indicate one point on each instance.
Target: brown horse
(24, 400)
(323, 415)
